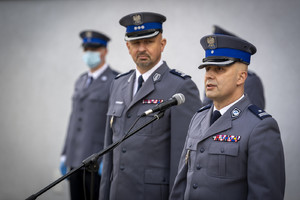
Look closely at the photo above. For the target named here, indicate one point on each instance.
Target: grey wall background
(40, 58)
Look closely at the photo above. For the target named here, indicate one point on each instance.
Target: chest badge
(152, 101)
(227, 138)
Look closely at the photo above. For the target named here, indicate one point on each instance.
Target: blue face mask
(91, 58)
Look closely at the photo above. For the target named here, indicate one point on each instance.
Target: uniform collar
(146, 75)
(98, 72)
(223, 110)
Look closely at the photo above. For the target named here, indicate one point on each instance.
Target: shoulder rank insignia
(204, 107)
(179, 73)
(260, 113)
(120, 75)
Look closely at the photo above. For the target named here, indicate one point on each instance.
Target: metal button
(202, 150)
(198, 167)
(222, 150)
(122, 167)
(195, 186)
(124, 150)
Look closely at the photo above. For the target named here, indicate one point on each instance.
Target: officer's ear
(242, 73)
(163, 43)
(128, 45)
(104, 51)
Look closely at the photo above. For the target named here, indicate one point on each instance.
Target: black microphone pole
(91, 161)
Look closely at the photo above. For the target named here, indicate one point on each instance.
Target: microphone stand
(91, 162)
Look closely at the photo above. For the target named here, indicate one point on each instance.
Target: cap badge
(137, 19)
(88, 34)
(211, 42)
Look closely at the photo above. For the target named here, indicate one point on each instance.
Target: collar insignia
(156, 77)
(235, 113)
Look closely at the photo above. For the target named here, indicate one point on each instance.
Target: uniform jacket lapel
(149, 85)
(99, 82)
(81, 91)
(128, 89)
(225, 121)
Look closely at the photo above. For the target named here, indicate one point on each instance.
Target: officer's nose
(209, 74)
(142, 47)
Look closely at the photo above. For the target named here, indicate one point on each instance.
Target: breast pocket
(115, 112)
(223, 160)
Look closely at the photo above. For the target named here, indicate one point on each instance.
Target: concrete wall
(40, 58)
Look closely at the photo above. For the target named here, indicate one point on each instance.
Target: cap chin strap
(223, 63)
(141, 37)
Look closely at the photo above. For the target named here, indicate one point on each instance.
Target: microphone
(176, 99)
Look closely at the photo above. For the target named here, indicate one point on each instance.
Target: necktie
(88, 81)
(216, 114)
(140, 82)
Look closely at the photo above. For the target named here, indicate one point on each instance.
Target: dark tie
(216, 114)
(140, 82)
(88, 81)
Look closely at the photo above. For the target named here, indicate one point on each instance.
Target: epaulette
(120, 75)
(115, 73)
(204, 107)
(179, 73)
(260, 113)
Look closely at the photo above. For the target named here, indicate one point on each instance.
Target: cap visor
(223, 63)
(142, 36)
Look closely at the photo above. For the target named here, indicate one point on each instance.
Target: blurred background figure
(87, 121)
(253, 85)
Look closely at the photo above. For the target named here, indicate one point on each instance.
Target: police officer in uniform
(87, 121)
(253, 84)
(233, 149)
(144, 166)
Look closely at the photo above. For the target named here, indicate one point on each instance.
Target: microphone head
(179, 97)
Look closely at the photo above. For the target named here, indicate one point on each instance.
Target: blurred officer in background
(144, 166)
(233, 149)
(253, 85)
(87, 121)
